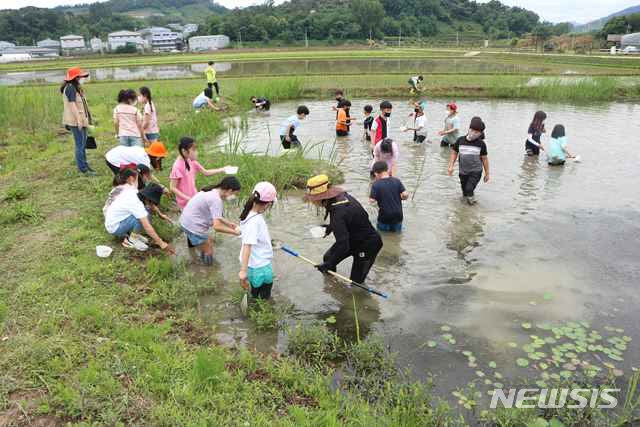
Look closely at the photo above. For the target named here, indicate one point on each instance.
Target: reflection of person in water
(467, 227)
(350, 225)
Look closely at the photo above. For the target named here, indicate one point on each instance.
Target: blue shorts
(195, 239)
(392, 228)
(260, 276)
(127, 225)
(152, 136)
(130, 141)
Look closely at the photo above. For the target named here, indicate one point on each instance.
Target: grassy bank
(120, 341)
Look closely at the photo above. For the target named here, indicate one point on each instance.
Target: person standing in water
(558, 152)
(381, 124)
(533, 144)
(471, 151)
(256, 270)
(288, 137)
(76, 117)
(451, 131)
(419, 127)
(212, 81)
(350, 225)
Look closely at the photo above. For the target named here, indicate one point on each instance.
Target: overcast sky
(551, 10)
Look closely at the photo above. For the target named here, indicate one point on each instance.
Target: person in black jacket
(350, 225)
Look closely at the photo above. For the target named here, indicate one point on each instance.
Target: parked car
(631, 50)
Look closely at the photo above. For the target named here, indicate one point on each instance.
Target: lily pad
(498, 375)
(493, 365)
(512, 345)
(487, 381)
(467, 353)
(541, 384)
(543, 366)
(566, 374)
(447, 336)
(526, 325)
(472, 364)
(480, 374)
(331, 320)
(547, 296)
(626, 339)
(523, 363)
(445, 328)
(498, 385)
(431, 344)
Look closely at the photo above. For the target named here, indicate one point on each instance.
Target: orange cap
(74, 72)
(157, 149)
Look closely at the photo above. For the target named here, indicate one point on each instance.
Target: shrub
(20, 213)
(314, 343)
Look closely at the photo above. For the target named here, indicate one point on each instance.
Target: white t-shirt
(125, 204)
(200, 212)
(255, 233)
(292, 120)
(420, 122)
(123, 155)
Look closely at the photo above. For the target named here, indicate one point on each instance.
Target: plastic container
(317, 232)
(103, 251)
(231, 170)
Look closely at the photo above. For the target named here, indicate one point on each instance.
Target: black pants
(418, 138)
(363, 259)
(263, 292)
(215, 84)
(444, 143)
(469, 182)
(532, 149)
(287, 144)
(342, 132)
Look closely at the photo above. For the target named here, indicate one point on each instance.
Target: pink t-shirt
(153, 118)
(128, 118)
(186, 179)
(379, 156)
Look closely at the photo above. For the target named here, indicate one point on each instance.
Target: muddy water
(253, 68)
(542, 244)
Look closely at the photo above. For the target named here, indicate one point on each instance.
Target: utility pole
(306, 38)
(400, 36)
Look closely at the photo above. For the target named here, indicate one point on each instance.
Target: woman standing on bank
(76, 116)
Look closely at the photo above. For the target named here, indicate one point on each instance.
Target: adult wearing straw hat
(350, 225)
(76, 116)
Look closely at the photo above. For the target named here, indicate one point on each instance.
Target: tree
(542, 33)
(368, 13)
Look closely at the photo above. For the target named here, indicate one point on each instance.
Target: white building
(122, 38)
(160, 39)
(96, 45)
(632, 39)
(189, 29)
(6, 45)
(49, 44)
(72, 42)
(14, 57)
(205, 43)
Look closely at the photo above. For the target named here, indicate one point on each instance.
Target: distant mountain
(180, 10)
(599, 23)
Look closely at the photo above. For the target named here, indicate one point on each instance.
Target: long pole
(306, 38)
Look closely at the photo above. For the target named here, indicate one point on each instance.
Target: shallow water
(306, 67)
(542, 244)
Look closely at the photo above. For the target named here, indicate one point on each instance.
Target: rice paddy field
(146, 339)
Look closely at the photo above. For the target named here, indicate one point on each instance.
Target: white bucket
(317, 232)
(103, 251)
(231, 170)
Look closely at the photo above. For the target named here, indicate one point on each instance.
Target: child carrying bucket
(256, 271)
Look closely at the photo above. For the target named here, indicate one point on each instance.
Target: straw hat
(74, 72)
(157, 149)
(319, 188)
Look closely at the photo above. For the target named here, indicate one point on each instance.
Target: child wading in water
(289, 126)
(451, 131)
(558, 152)
(533, 145)
(256, 254)
(368, 122)
(128, 120)
(185, 168)
(205, 211)
(388, 192)
(380, 126)
(419, 124)
(343, 120)
(472, 152)
(386, 151)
